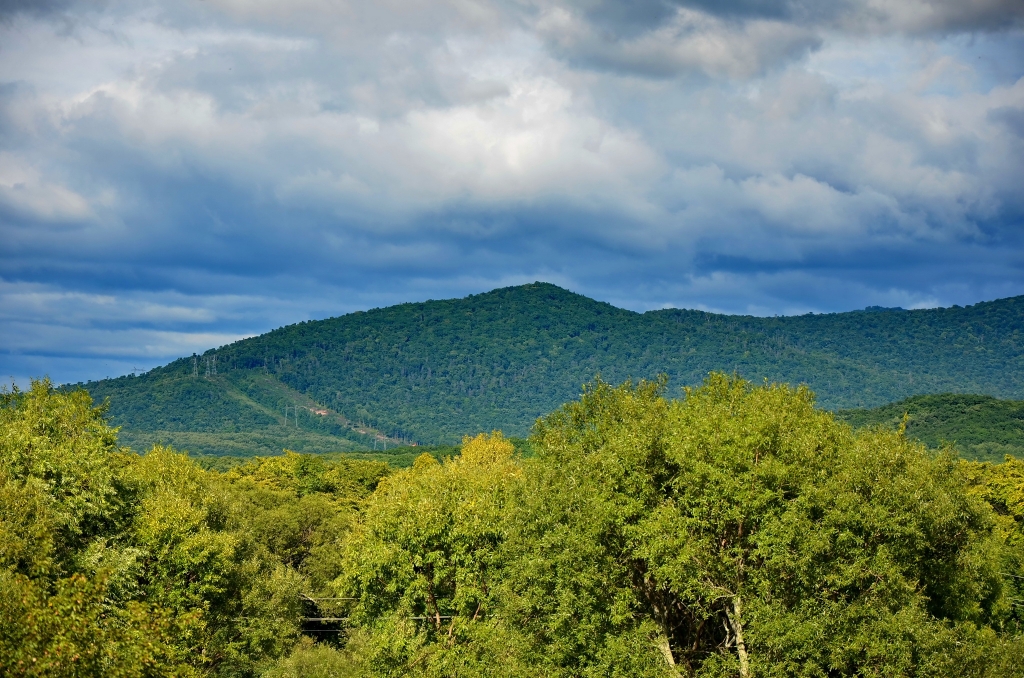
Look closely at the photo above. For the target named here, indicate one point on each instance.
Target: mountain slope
(981, 427)
(433, 371)
(242, 413)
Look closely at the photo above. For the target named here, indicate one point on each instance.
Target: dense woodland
(432, 372)
(735, 531)
(982, 428)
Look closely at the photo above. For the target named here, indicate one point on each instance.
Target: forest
(432, 372)
(982, 428)
(735, 530)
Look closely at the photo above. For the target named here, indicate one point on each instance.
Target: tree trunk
(666, 649)
(736, 621)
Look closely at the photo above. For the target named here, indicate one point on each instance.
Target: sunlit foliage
(114, 564)
(737, 531)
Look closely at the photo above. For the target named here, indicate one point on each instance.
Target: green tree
(61, 499)
(747, 533)
(117, 564)
(1001, 486)
(424, 560)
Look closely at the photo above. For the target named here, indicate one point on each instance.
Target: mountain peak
(436, 370)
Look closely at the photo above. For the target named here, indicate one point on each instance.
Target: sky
(178, 175)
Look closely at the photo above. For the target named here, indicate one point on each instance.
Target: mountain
(983, 428)
(430, 372)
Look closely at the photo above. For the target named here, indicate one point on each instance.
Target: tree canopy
(736, 531)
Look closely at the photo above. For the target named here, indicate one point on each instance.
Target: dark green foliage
(982, 428)
(433, 371)
(239, 414)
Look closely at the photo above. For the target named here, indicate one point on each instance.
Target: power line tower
(195, 366)
(295, 411)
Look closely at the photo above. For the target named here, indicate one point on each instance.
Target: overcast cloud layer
(176, 175)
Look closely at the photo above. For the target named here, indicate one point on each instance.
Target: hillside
(981, 427)
(240, 413)
(432, 371)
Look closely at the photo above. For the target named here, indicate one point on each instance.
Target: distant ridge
(433, 371)
(981, 427)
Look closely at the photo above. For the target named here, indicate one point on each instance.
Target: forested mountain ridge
(435, 370)
(981, 427)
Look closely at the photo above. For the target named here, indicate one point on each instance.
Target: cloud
(26, 196)
(10, 8)
(743, 39)
(688, 40)
(174, 175)
(913, 16)
(1010, 116)
(928, 16)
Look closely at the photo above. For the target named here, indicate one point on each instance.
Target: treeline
(396, 458)
(399, 457)
(431, 372)
(263, 443)
(736, 531)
